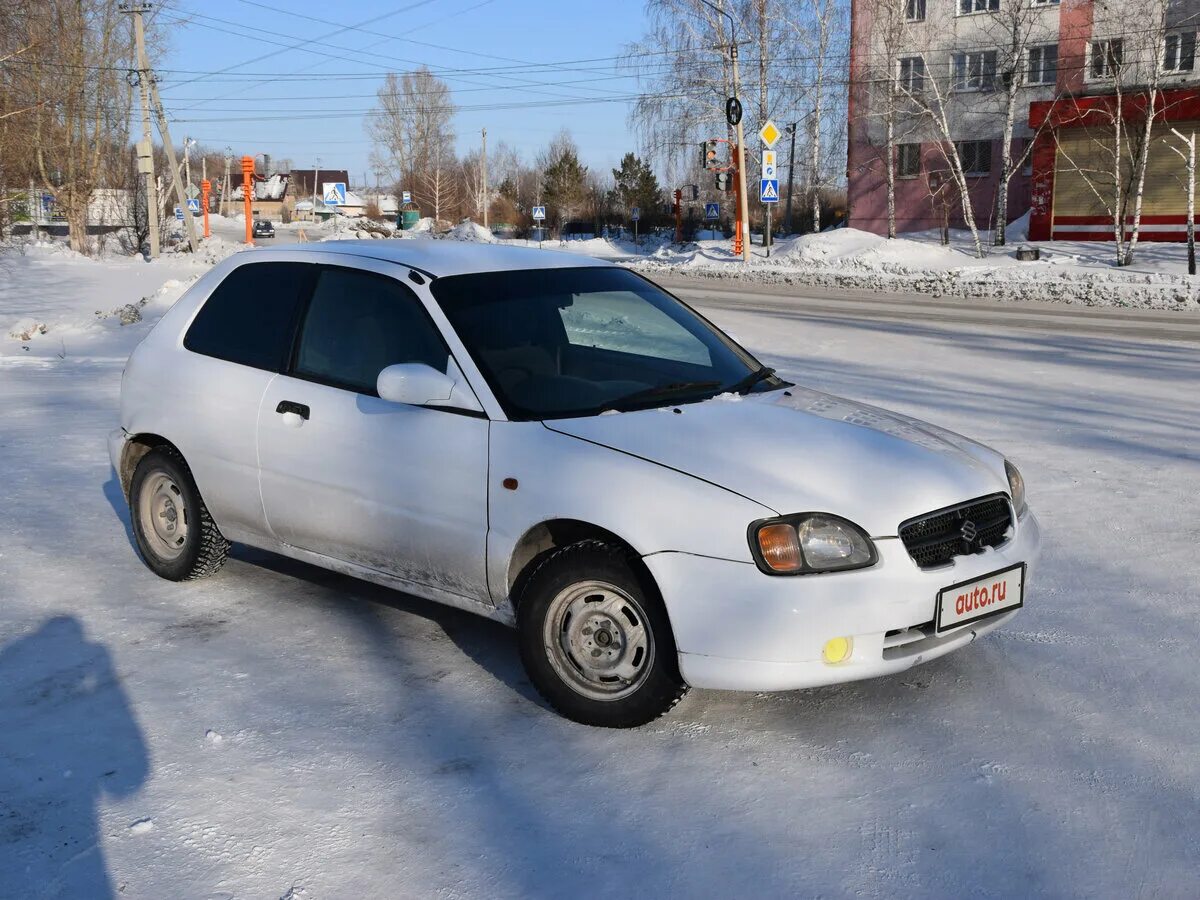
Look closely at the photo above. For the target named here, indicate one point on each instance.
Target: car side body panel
(650, 507)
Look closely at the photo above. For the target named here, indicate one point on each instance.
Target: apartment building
(1079, 75)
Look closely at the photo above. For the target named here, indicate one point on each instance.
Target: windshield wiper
(660, 392)
(743, 386)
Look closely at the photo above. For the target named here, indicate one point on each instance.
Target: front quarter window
(556, 343)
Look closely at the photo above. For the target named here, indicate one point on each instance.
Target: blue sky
(256, 107)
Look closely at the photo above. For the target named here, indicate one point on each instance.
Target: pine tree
(636, 185)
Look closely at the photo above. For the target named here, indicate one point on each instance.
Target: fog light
(837, 650)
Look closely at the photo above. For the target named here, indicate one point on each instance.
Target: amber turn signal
(780, 547)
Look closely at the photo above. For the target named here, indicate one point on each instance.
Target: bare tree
(1186, 151)
(80, 100)
(821, 30)
(881, 93)
(1027, 56)
(413, 132)
(1110, 154)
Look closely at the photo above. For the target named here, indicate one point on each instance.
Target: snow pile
(467, 230)
(58, 303)
(1068, 272)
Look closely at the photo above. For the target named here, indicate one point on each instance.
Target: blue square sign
(712, 211)
(769, 190)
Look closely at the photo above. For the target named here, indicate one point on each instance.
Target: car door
(396, 488)
(238, 341)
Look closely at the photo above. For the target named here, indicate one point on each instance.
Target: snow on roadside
(1068, 272)
(55, 302)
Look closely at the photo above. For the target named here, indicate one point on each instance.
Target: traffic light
(724, 181)
(695, 192)
(708, 154)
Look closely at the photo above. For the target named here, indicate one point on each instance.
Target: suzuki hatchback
(557, 443)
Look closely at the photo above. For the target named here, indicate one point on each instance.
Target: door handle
(288, 406)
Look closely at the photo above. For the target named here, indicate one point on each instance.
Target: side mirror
(414, 383)
(417, 384)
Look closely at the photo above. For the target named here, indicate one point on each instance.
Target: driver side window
(358, 324)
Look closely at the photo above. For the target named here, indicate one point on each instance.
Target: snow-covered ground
(282, 729)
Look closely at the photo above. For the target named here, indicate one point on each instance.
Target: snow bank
(1068, 272)
(470, 231)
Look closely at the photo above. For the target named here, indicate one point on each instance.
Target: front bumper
(738, 629)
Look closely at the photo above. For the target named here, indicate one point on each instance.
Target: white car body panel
(401, 489)
(414, 498)
(802, 451)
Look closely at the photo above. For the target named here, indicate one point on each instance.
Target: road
(833, 305)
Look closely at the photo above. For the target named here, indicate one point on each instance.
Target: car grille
(937, 537)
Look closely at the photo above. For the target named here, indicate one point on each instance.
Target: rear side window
(358, 324)
(249, 318)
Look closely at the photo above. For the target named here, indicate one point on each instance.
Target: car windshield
(556, 343)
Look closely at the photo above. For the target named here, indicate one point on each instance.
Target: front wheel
(595, 639)
(175, 534)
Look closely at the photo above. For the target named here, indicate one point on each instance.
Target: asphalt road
(834, 305)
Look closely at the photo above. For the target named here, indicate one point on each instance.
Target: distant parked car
(263, 228)
(559, 444)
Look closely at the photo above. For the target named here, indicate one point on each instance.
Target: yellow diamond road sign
(769, 134)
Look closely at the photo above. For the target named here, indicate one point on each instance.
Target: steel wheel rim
(598, 640)
(163, 515)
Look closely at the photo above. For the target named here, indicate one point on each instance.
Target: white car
(557, 443)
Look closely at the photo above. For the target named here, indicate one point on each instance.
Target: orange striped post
(205, 187)
(247, 190)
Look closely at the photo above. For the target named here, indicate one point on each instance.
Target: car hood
(804, 451)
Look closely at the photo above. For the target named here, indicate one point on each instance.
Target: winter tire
(595, 639)
(176, 536)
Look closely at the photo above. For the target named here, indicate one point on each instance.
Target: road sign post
(539, 215)
(635, 214)
(769, 190)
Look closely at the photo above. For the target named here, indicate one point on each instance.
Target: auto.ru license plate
(980, 598)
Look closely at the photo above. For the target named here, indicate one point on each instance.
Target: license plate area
(981, 598)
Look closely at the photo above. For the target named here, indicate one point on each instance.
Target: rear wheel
(176, 536)
(595, 638)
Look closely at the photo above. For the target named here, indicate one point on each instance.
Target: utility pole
(743, 200)
(485, 188)
(316, 175)
(146, 150)
(187, 165)
(787, 214)
(164, 131)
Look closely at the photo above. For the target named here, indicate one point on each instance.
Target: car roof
(440, 258)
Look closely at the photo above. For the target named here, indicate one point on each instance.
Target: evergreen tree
(636, 185)
(564, 179)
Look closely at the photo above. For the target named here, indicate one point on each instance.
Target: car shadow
(489, 644)
(68, 738)
(116, 499)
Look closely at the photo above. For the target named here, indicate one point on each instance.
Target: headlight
(1016, 488)
(808, 543)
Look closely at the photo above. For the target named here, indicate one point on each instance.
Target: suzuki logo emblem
(968, 531)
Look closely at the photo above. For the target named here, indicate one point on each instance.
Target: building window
(975, 71)
(1043, 64)
(1107, 57)
(966, 7)
(908, 160)
(914, 10)
(912, 74)
(1179, 52)
(1044, 2)
(976, 156)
